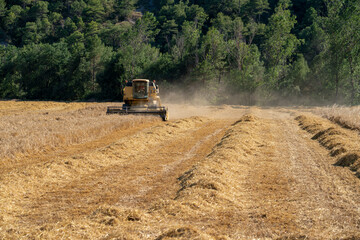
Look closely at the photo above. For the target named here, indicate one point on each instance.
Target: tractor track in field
(215, 173)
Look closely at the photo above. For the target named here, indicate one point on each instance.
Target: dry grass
(205, 206)
(342, 143)
(31, 132)
(261, 181)
(35, 153)
(246, 189)
(19, 107)
(213, 197)
(38, 181)
(347, 117)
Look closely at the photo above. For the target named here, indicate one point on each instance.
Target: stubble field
(69, 171)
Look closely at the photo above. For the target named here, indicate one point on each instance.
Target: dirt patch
(341, 143)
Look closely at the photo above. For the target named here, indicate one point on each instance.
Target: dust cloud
(184, 102)
(219, 93)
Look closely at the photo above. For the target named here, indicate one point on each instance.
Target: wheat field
(69, 171)
(348, 117)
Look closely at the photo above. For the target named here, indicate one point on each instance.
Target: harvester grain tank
(140, 97)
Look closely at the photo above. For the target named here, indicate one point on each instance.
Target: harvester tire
(165, 116)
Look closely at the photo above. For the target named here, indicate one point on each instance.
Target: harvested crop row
(253, 185)
(265, 179)
(206, 205)
(54, 188)
(341, 143)
(259, 183)
(215, 201)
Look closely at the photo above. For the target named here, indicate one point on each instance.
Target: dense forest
(227, 51)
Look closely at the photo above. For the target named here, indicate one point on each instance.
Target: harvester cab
(140, 97)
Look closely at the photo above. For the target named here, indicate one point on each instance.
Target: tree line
(234, 51)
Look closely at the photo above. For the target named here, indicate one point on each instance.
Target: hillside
(257, 52)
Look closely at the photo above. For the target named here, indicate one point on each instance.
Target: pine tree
(280, 44)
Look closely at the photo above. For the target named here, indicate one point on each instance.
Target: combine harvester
(140, 97)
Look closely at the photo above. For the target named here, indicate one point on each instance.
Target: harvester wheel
(165, 116)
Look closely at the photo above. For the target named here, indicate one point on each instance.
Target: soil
(225, 172)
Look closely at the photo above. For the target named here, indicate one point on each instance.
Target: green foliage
(212, 55)
(256, 8)
(196, 14)
(39, 9)
(280, 45)
(11, 18)
(146, 27)
(110, 80)
(349, 35)
(223, 24)
(80, 48)
(313, 35)
(2, 8)
(296, 82)
(94, 11)
(47, 65)
(173, 16)
(10, 78)
(77, 8)
(31, 33)
(248, 78)
(228, 7)
(136, 60)
(186, 44)
(115, 35)
(123, 8)
(342, 49)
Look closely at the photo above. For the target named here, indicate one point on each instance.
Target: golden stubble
(219, 176)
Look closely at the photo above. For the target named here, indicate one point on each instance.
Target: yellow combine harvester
(140, 97)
